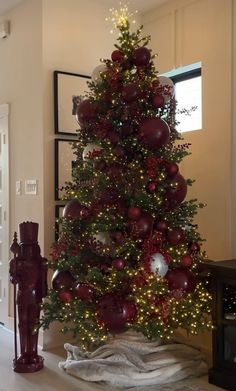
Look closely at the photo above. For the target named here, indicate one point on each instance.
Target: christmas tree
(129, 253)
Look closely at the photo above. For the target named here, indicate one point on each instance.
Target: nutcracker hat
(28, 232)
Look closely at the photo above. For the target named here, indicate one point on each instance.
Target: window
(188, 94)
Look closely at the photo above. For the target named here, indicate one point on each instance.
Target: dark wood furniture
(223, 284)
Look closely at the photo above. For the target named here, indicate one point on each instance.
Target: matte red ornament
(118, 263)
(134, 213)
(175, 195)
(113, 313)
(181, 278)
(175, 236)
(186, 260)
(130, 310)
(84, 292)
(28, 273)
(63, 279)
(72, 209)
(130, 92)
(158, 101)
(142, 228)
(151, 187)
(86, 111)
(66, 296)
(154, 133)
(161, 226)
(141, 56)
(117, 56)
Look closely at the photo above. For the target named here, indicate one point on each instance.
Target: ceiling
(140, 5)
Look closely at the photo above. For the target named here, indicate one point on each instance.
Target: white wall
(185, 32)
(21, 87)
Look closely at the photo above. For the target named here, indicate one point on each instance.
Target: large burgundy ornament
(114, 312)
(63, 279)
(181, 278)
(141, 56)
(117, 56)
(141, 228)
(154, 133)
(176, 194)
(28, 270)
(175, 236)
(134, 213)
(72, 209)
(130, 92)
(86, 111)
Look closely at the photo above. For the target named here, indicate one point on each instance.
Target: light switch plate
(31, 187)
(18, 188)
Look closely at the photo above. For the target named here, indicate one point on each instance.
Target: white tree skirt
(130, 361)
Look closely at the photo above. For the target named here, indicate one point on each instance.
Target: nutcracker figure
(28, 270)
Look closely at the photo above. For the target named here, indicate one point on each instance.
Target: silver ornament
(158, 265)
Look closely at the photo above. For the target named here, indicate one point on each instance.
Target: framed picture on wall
(67, 87)
(58, 214)
(64, 162)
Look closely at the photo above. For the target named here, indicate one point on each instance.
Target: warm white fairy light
(121, 17)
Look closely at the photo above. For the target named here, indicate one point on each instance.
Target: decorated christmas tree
(129, 253)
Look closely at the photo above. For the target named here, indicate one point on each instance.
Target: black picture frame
(64, 158)
(66, 85)
(58, 214)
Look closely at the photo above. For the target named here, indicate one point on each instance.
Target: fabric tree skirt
(130, 361)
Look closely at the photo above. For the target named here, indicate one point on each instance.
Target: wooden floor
(51, 378)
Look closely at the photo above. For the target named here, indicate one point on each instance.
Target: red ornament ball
(126, 130)
(86, 111)
(177, 193)
(181, 278)
(142, 228)
(63, 279)
(118, 263)
(130, 92)
(175, 236)
(66, 296)
(84, 292)
(194, 247)
(117, 236)
(117, 56)
(161, 226)
(134, 213)
(113, 137)
(154, 133)
(186, 260)
(84, 213)
(141, 56)
(72, 209)
(114, 312)
(172, 170)
(158, 101)
(151, 187)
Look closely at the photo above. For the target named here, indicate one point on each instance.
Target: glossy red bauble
(130, 92)
(175, 236)
(186, 260)
(84, 292)
(158, 101)
(118, 263)
(117, 56)
(194, 247)
(63, 279)
(72, 209)
(151, 187)
(84, 213)
(154, 133)
(141, 228)
(114, 312)
(161, 226)
(141, 56)
(181, 278)
(176, 194)
(172, 170)
(86, 111)
(66, 296)
(134, 213)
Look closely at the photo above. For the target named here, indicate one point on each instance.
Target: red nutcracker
(28, 270)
